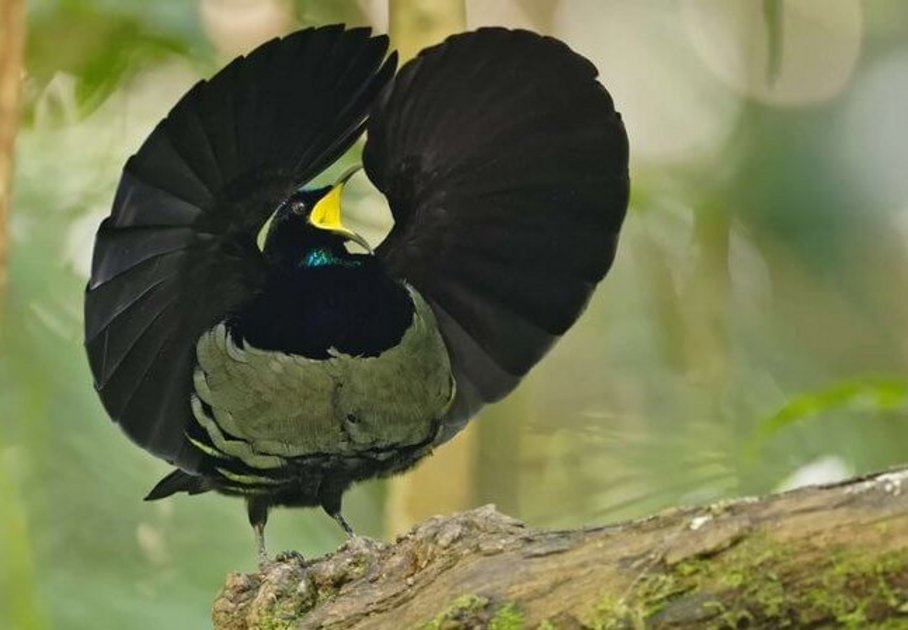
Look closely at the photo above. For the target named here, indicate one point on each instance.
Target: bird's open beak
(326, 215)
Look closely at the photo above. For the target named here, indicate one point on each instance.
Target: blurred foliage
(872, 396)
(754, 323)
(104, 43)
(772, 12)
(320, 12)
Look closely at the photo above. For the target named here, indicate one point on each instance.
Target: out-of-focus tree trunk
(707, 297)
(12, 43)
(18, 605)
(445, 481)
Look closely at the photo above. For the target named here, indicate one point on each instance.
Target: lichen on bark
(833, 556)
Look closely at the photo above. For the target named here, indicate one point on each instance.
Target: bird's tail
(178, 481)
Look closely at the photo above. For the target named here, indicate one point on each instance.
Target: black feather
(178, 252)
(506, 168)
(505, 165)
(177, 481)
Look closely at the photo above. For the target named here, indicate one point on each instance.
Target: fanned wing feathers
(505, 165)
(503, 160)
(178, 252)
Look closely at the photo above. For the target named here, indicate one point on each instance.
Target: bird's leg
(356, 543)
(332, 506)
(330, 499)
(329, 496)
(340, 520)
(258, 517)
(261, 551)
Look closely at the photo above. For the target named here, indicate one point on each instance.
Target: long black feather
(178, 252)
(506, 168)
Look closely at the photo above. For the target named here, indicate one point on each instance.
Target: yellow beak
(326, 215)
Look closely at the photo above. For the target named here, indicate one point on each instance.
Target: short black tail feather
(178, 481)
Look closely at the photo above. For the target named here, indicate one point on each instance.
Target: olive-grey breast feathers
(262, 406)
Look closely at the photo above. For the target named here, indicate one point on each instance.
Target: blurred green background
(752, 336)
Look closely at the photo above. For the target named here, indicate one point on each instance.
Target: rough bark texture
(818, 557)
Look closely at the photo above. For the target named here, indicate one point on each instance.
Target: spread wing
(506, 169)
(178, 252)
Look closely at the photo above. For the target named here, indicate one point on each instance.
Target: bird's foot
(264, 561)
(284, 557)
(261, 551)
(290, 556)
(363, 544)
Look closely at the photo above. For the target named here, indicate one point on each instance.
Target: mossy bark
(832, 556)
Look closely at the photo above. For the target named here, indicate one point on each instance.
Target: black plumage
(505, 165)
(179, 249)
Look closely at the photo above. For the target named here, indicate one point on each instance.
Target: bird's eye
(298, 207)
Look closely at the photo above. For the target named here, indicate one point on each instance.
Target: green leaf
(99, 48)
(877, 394)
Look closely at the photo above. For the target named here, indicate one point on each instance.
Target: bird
(285, 372)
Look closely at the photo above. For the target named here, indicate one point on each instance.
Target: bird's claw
(362, 544)
(283, 557)
(290, 556)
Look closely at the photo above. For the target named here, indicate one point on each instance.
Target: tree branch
(821, 556)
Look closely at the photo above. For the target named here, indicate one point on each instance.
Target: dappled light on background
(783, 52)
(827, 469)
(515, 13)
(874, 138)
(675, 110)
(103, 139)
(237, 26)
(752, 335)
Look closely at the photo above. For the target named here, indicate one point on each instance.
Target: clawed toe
(289, 556)
(362, 544)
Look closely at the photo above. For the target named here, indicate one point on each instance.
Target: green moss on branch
(835, 556)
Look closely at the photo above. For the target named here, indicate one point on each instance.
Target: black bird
(284, 374)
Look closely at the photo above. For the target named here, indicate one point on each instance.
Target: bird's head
(307, 230)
